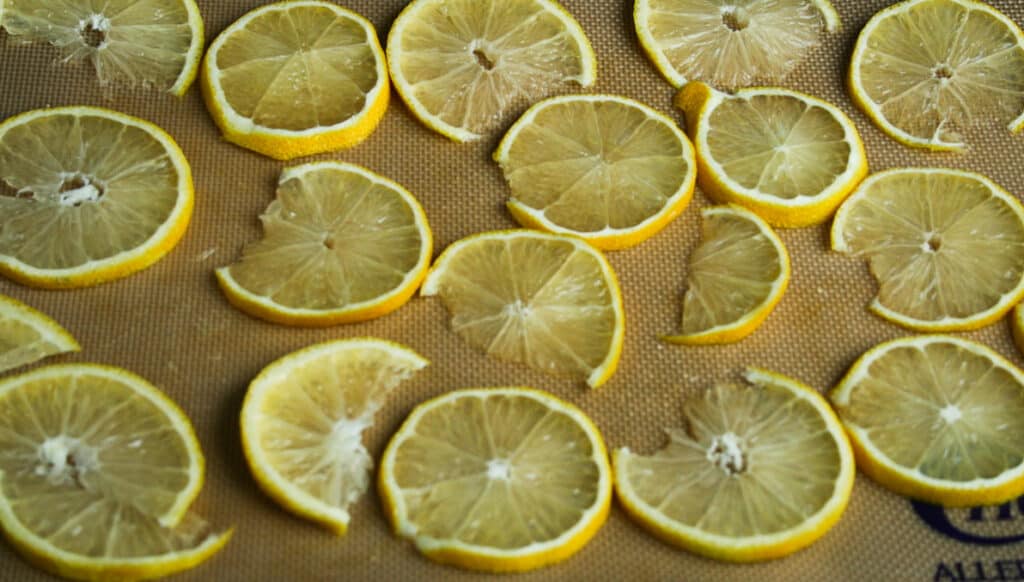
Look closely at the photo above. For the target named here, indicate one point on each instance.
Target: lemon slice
(759, 472)
(88, 195)
(608, 169)
(296, 78)
(924, 69)
(303, 420)
(156, 43)
(789, 157)
(341, 244)
(461, 66)
(1017, 325)
(937, 418)
(502, 479)
(549, 301)
(737, 275)
(946, 246)
(27, 335)
(730, 43)
(97, 465)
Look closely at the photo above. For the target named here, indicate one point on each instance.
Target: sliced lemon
(1017, 324)
(296, 78)
(946, 246)
(341, 244)
(303, 420)
(937, 418)
(608, 169)
(88, 195)
(97, 465)
(549, 301)
(924, 69)
(789, 157)
(156, 43)
(462, 65)
(27, 335)
(730, 43)
(737, 276)
(759, 472)
(501, 479)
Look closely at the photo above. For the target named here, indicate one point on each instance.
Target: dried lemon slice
(27, 335)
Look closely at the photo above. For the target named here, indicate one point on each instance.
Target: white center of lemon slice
(951, 413)
(499, 470)
(726, 452)
(63, 459)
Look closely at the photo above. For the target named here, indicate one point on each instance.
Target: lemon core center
(727, 454)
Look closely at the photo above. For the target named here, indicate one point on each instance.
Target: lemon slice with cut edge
(88, 195)
(790, 157)
(341, 244)
(155, 43)
(937, 418)
(549, 301)
(759, 472)
(946, 246)
(730, 43)
(303, 419)
(737, 275)
(610, 170)
(462, 65)
(27, 335)
(98, 469)
(923, 70)
(498, 479)
(296, 78)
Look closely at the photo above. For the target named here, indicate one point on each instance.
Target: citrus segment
(608, 169)
(27, 335)
(88, 195)
(502, 479)
(549, 301)
(737, 275)
(296, 78)
(760, 471)
(303, 419)
(937, 418)
(155, 43)
(789, 157)
(462, 65)
(945, 245)
(923, 70)
(341, 244)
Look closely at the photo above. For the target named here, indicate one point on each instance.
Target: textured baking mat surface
(171, 324)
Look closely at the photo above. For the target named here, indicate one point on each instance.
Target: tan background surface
(171, 324)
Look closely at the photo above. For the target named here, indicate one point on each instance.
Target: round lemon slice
(922, 70)
(737, 276)
(730, 44)
(937, 418)
(296, 78)
(461, 66)
(607, 169)
(97, 472)
(946, 246)
(501, 479)
(761, 471)
(789, 157)
(88, 195)
(27, 335)
(155, 43)
(303, 420)
(341, 244)
(549, 301)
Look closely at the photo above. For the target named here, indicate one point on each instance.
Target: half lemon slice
(27, 335)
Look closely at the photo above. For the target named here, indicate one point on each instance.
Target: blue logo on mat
(984, 526)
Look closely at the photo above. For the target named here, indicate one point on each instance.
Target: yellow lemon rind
(746, 325)
(911, 483)
(609, 238)
(282, 144)
(195, 50)
(601, 374)
(127, 262)
(758, 548)
(491, 559)
(698, 101)
(269, 480)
